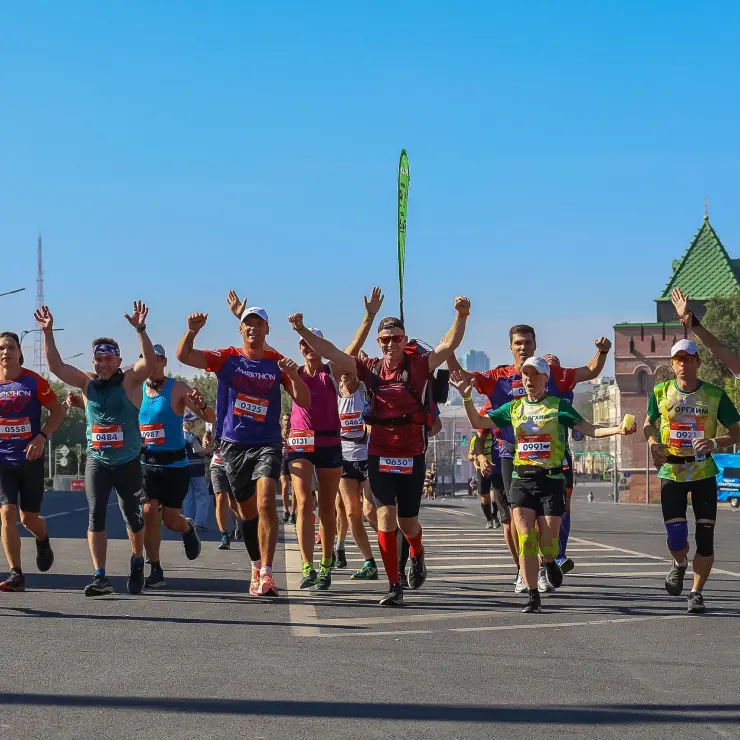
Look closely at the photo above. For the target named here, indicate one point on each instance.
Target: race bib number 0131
(251, 407)
(107, 436)
(534, 447)
(11, 429)
(402, 465)
(301, 440)
(152, 434)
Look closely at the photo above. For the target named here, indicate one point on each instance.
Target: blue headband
(105, 348)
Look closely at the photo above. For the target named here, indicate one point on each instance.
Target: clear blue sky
(560, 155)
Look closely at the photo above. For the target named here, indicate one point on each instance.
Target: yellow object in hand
(628, 422)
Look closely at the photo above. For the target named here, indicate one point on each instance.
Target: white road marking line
(454, 511)
(506, 627)
(360, 621)
(503, 555)
(65, 513)
(302, 613)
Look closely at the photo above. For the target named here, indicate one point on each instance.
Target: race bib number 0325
(251, 407)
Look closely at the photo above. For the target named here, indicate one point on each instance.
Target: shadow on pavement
(603, 714)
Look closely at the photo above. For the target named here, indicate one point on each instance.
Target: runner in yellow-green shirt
(537, 493)
(682, 423)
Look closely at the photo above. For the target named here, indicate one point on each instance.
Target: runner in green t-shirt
(537, 493)
(684, 415)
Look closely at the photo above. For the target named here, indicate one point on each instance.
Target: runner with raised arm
(112, 400)
(23, 395)
(537, 493)
(248, 427)
(398, 420)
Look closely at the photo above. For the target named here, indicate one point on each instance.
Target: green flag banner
(403, 199)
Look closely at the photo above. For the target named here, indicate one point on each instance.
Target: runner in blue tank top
(112, 399)
(248, 428)
(23, 395)
(165, 467)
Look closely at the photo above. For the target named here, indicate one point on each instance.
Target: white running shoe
(519, 586)
(543, 585)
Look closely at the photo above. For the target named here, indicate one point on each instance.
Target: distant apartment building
(476, 361)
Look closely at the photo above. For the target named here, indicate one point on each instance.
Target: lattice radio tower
(39, 361)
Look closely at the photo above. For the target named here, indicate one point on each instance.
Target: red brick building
(642, 351)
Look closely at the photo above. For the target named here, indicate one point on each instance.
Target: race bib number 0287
(402, 465)
(251, 407)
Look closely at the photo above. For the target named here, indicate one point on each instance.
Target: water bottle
(698, 456)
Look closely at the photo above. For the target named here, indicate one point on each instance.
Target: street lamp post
(11, 292)
(30, 331)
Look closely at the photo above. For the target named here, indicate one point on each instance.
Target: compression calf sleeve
(564, 535)
(249, 529)
(389, 553)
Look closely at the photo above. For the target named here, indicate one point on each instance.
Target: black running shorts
(246, 464)
(167, 485)
(355, 470)
(321, 457)
(674, 498)
(403, 490)
(22, 484)
(545, 496)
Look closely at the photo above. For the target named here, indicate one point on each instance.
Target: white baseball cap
(684, 345)
(539, 364)
(254, 311)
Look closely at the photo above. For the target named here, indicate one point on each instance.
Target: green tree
(721, 319)
(71, 431)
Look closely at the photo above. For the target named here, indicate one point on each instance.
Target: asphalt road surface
(612, 655)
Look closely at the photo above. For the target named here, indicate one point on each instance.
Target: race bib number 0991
(534, 447)
(683, 433)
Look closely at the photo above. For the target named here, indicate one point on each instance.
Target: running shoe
(403, 579)
(496, 523)
(236, 534)
(417, 572)
(543, 585)
(44, 555)
(323, 582)
(14, 582)
(368, 572)
(674, 579)
(156, 578)
(191, 541)
(333, 557)
(534, 604)
(100, 586)
(267, 586)
(293, 518)
(308, 576)
(696, 603)
(225, 541)
(566, 565)
(317, 539)
(341, 559)
(489, 523)
(553, 574)
(135, 581)
(286, 517)
(394, 597)
(254, 584)
(519, 586)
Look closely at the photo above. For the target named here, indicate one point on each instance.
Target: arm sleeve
(567, 415)
(501, 416)
(564, 377)
(216, 359)
(652, 410)
(727, 413)
(45, 394)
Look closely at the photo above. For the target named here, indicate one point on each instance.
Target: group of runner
(354, 442)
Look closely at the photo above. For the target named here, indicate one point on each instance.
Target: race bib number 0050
(11, 429)
(301, 440)
(534, 447)
(107, 436)
(251, 407)
(402, 465)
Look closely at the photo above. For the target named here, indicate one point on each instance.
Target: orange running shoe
(267, 585)
(254, 586)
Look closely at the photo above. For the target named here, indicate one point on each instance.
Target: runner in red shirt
(396, 461)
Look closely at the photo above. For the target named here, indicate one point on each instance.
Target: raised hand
(44, 318)
(631, 430)
(288, 366)
(681, 304)
(235, 305)
(373, 304)
(551, 359)
(196, 400)
(74, 400)
(196, 321)
(296, 321)
(460, 382)
(138, 315)
(603, 344)
(462, 304)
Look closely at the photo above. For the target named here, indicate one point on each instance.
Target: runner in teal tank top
(537, 494)
(165, 468)
(112, 399)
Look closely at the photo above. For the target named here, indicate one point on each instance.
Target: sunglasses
(395, 339)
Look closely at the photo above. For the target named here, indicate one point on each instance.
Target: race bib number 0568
(401, 465)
